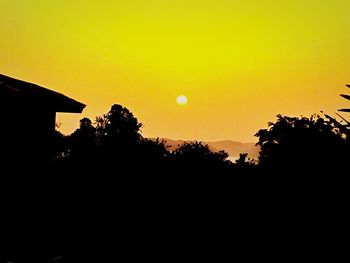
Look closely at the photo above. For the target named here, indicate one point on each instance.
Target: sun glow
(181, 100)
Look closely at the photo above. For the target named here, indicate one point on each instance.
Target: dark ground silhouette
(106, 182)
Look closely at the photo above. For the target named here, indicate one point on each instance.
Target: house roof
(38, 96)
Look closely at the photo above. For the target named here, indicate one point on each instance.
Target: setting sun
(181, 100)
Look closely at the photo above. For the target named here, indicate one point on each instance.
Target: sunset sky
(239, 63)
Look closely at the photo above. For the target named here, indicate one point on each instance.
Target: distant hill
(231, 147)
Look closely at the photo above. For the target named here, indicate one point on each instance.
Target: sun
(181, 100)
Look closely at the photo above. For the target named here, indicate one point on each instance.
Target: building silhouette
(27, 120)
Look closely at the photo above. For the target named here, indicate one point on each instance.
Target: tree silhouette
(196, 159)
(151, 157)
(302, 146)
(152, 150)
(118, 132)
(83, 141)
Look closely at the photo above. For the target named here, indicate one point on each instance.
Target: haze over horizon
(239, 63)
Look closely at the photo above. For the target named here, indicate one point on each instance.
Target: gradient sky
(240, 63)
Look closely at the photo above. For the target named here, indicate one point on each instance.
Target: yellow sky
(240, 63)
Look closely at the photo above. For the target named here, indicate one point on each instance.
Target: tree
(152, 150)
(118, 132)
(302, 146)
(196, 159)
(151, 157)
(83, 141)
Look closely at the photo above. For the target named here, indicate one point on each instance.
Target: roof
(39, 96)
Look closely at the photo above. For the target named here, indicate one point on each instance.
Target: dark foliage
(115, 144)
(290, 148)
(196, 159)
(83, 142)
(303, 147)
(107, 183)
(118, 133)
